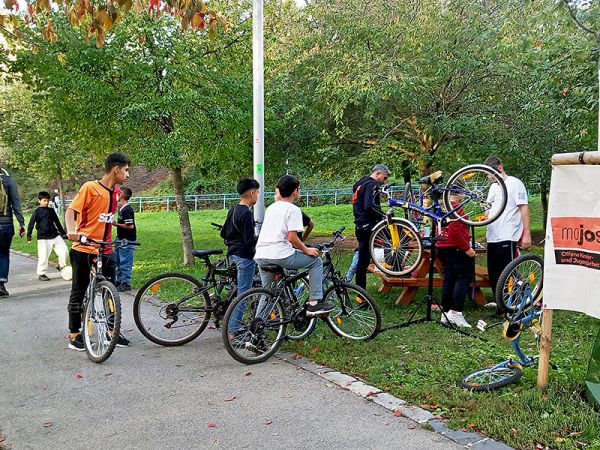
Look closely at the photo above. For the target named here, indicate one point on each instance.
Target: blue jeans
(352, 269)
(245, 275)
(298, 260)
(125, 263)
(7, 231)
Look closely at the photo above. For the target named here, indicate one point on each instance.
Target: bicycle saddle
(272, 268)
(206, 253)
(434, 178)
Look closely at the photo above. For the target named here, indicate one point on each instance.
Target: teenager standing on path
(367, 212)
(91, 214)
(9, 203)
(511, 228)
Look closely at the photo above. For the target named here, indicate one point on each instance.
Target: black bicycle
(174, 308)
(101, 306)
(256, 323)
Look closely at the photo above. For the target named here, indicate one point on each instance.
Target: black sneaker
(3, 291)
(43, 277)
(77, 343)
(319, 309)
(122, 341)
(123, 288)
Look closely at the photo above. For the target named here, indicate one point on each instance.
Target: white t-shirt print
(509, 226)
(280, 218)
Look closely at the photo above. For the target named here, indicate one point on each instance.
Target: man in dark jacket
(367, 212)
(9, 203)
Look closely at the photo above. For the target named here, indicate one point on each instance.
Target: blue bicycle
(475, 195)
(520, 287)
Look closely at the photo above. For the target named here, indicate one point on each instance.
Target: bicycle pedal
(481, 325)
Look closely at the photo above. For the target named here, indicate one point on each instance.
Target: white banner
(572, 251)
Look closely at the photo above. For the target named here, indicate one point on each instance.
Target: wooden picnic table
(420, 278)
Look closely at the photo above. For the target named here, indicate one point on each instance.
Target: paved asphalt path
(148, 396)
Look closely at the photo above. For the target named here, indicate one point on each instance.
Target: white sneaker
(458, 319)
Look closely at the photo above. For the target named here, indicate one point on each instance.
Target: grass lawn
(422, 363)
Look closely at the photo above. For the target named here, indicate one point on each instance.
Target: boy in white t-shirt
(278, 243)
(511, 228)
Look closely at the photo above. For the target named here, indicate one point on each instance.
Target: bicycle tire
(248, 343)
(99, 337)
(476, 179)
(501, 376)
(397, 262)
(155, 320)
(301, 326)
(523, 269)
(351, 309)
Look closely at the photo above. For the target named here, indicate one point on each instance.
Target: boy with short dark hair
(238, 232)
(126, 230)
(91, 214)
(49, 232)
(278, 243)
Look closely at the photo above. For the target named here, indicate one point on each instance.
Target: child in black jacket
(49, 232)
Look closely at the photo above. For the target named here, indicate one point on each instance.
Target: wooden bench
(420, 278)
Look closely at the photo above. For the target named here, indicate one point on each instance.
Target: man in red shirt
(458, 262)
(91, 214)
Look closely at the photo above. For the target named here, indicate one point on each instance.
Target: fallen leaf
(216, 440)
(370, 394)
(425, 406)
(398, 413)
(297, 356)
(108, 374)
(472, 425)
(248, 374)
(212, 425)
(412, 426)
(386, 424)
(48, 424)
(78, 375)
(514, 431)
(268, 422)
(1, 438)
(314, 350)
(230, 399)
(178, 365)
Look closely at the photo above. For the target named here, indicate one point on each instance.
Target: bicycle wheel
(301, 325)
(520, 281)
(491, 378)
(483, 194)
(102, 322)
(356, 315)
(254, 327)
(397, 259)
(172, 309)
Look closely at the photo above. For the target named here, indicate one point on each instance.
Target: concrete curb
(393, 404)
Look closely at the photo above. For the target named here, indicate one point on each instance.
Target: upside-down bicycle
(396, 243)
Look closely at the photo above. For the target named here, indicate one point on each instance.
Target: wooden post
(140, 204)
(544, 360)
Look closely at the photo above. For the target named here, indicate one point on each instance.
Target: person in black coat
(367, 213)
(9, 203)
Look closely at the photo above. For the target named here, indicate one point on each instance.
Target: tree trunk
(544, 200)
(184, 218)
(424, 166)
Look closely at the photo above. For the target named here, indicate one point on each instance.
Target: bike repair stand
(429, 300)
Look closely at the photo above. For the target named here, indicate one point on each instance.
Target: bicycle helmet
(512, 330)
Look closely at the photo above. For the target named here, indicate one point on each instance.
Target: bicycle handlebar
(85, 240)
(337, 235)
(217, 226)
